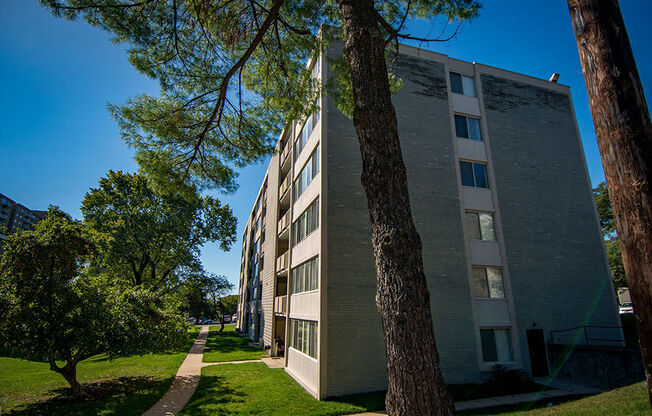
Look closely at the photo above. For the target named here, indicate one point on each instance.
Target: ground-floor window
(496, 345)
(303, 336)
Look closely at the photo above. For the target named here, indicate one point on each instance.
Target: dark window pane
(461, 129)
(480, 283)
(488, 339)
(480, 171)
(472, 226)
(456, 83)
(466, 169)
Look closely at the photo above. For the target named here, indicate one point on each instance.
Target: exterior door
(538, 356)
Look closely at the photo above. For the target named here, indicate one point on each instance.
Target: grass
(229, 346)
(626, 401)
(252, 388)
(255, 389)
(124, 386)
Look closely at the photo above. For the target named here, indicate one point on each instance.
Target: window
(303, 336)
(468, 127)
(306, 130)
(488, 282)
(309, 171)
(462, 84)
(496, 345)
(479, 226)
(307, 222)
(474, 174)
(316, 68)
(305, 276)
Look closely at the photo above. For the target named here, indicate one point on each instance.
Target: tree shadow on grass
(225, 343)
(119, 396)
(214, 396)
(371, 401)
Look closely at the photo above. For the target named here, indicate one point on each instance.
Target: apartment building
(500, 195)
(15, 216)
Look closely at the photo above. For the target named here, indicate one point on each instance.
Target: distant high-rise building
(15, 216)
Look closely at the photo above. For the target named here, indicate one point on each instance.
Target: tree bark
(69, 372)
(415, 382)
(624, 133)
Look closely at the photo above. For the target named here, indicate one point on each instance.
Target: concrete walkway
(187, 379)
(274, 362)
(185, 382)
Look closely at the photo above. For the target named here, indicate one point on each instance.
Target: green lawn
(229, 346)
(627, 401)
(129, 385)
(255, 389)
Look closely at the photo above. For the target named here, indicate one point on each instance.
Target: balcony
(286, 152)
(281, 305)
(283, 224)
(282, 263)
(285, 186)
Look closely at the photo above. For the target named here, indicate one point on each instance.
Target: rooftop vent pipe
(554, 77)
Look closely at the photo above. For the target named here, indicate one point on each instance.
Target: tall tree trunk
(416, 385)
(624, 133)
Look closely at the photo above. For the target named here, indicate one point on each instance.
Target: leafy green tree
(217, 287)
(53, 311)
(154, 237)
(230, 304)
(232, 73)
(605, 212)
(608, 226)
(205, 295)
(194, 299)
(615, 258)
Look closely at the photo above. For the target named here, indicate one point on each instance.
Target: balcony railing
(282, 262)
(285, 185)
(286, 152)
(281, 305)
(284, 222)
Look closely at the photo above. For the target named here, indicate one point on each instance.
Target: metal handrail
(586, 336)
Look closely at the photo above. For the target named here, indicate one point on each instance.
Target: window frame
(474, 172)
(309, 279)
(461, 83)
(304, 337)
(486, 280)
(496, 349)
(313, 164)
(311, 209)
(477, 225)
(304, 134)
(467, 126)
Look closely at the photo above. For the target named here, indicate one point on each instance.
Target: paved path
(274, 362)
(187, 378)
(185, 382)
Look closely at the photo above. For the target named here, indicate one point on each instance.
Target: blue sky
(57, 138)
